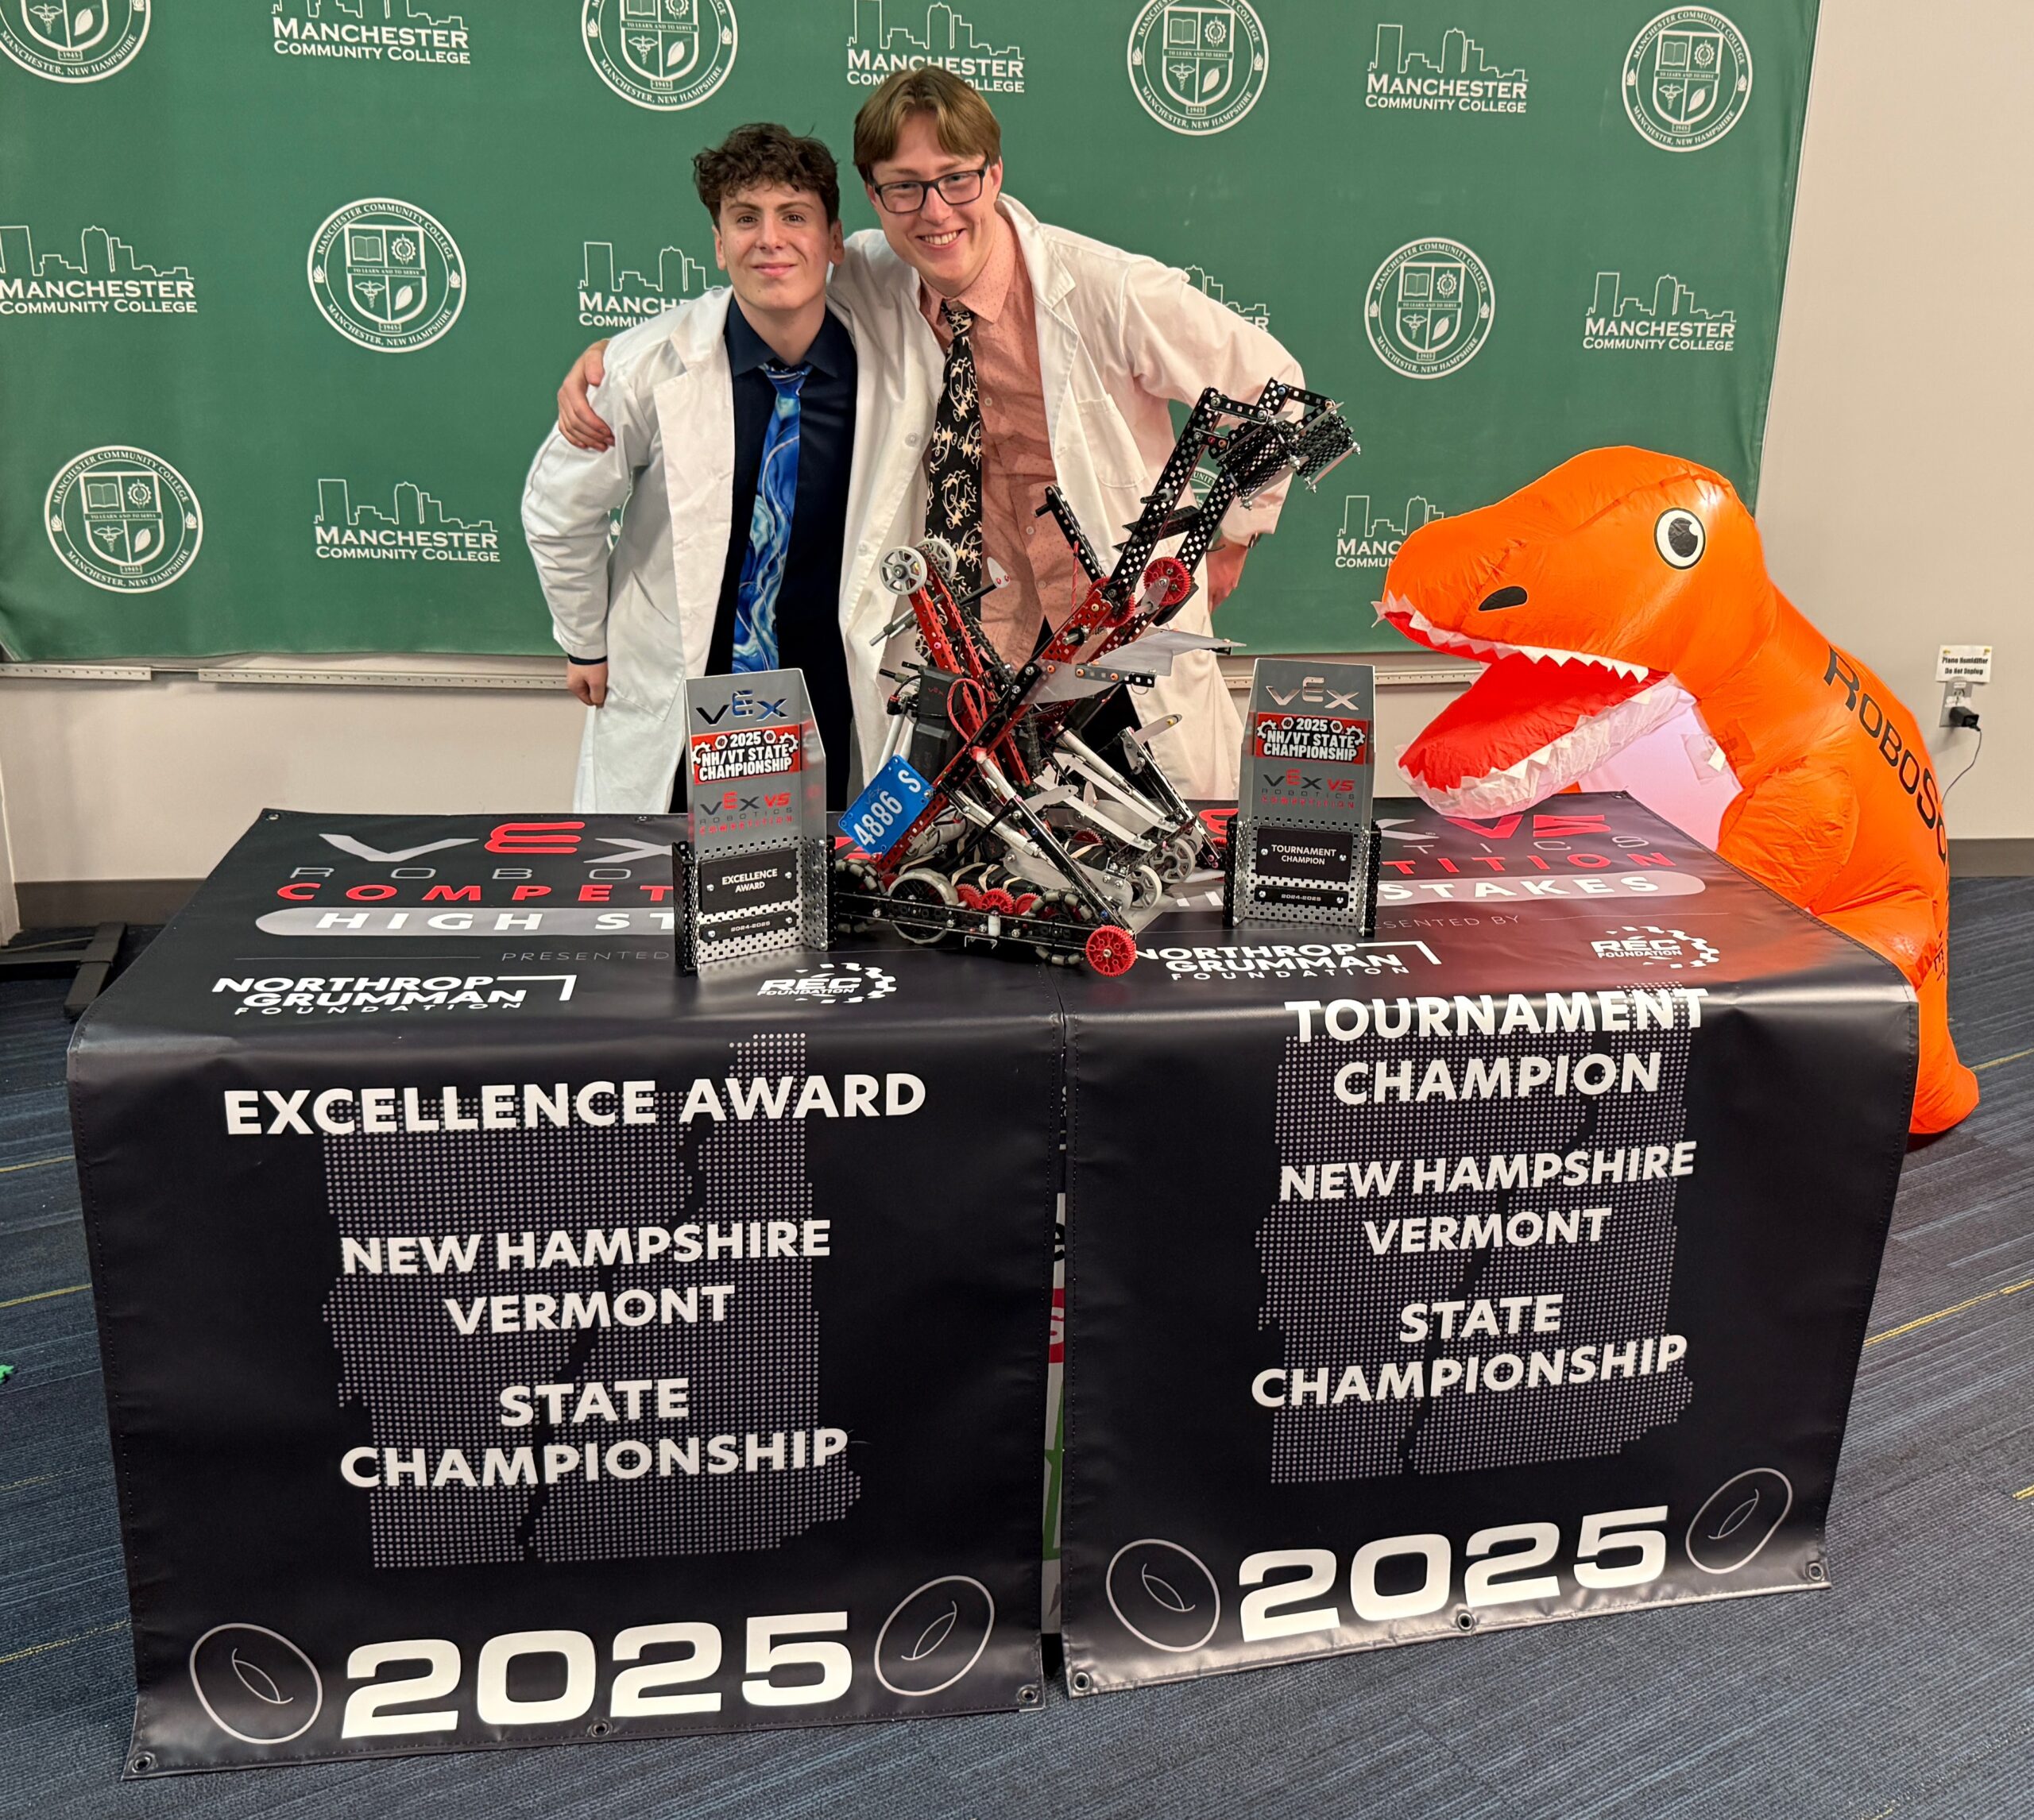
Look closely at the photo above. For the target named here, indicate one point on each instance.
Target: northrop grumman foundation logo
(1463, 80)
(387, 276)
(370, 31)
(660, 53)
(1671, 321)
(1430, 308)
(73, 41)
(881, 42)
(1198, 67)
(123, 519)
(1686, 79)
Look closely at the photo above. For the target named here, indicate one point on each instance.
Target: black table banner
(509, 1341)
(1512, 1267)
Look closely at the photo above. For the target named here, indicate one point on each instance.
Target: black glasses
(908, 199)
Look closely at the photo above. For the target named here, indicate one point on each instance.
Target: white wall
(1897, 501)
(1898, 492)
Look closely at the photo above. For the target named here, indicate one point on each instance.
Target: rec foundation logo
(386, 275)
(74, 41)
(661, 54)
(1650, 945)
(1686, 79)
(1198, 68)
(108, 279)
(1461, 80)
(1430, 308)
(881, 41)
(370, 31)
(1671, 322)
(832, 983)
(1368, 539)
(419, 530)
(123, 519)
(620, 299)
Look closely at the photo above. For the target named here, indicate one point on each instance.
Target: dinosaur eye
(1679, 538)
(1503, 597)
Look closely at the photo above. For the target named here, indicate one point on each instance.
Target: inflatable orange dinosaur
(1626, 589)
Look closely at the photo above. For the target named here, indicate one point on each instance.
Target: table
(508, 1340)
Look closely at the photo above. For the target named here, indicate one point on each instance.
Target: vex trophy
(751, 873)
(1303, 848)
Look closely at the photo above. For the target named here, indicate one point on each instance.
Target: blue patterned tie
(769, 528)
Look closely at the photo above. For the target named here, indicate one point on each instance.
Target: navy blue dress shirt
(809, 602)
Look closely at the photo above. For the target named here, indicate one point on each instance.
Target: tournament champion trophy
(1303, 847)
(751, 872)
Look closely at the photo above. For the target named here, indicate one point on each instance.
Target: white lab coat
(1119, 336)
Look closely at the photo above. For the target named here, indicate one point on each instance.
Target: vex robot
(1012, 816)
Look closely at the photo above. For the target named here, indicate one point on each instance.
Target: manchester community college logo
(370, 32)
(419, 529)
(73, 41)
(107, 280)
(883, 40)
(1212, 287)
(1462, 80)
(1430, 308)
(1368, 539)
(387, 276)
(660, 53)
(610, 299)
(1671, 321)
(123, 519)
(1198, 68)
(1686, 79)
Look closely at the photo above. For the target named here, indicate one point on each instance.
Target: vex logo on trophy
(73, 41)
(386, 275)
(1430, 308)
(123, 519)
(1686, 79)
(1672, 322)
(883, 42)
(1198, 68)
(107, 280)
(660, 53)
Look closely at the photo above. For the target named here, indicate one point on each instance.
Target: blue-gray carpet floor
(1906, 1692)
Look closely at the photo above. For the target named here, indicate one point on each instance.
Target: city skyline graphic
(1419, 510)
(104, 256)
(947, 33)
(384, 10)
(1673, 302)
(678, 274)
(1205, 281)
(1457, 48)
(413, 507)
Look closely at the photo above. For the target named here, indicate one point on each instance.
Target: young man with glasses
(1020, 354)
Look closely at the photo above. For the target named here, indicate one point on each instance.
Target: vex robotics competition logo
(661, 53)
(123, 519)
(1686, 79)
(73, 41)
(1198, 68)
(1430, 308)
(386, 275)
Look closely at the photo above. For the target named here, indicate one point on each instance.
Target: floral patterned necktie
(953, 462)
(769, 528)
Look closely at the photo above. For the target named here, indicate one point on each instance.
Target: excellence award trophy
(1303, 847)
(752, 874)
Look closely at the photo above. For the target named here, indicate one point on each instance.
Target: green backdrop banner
(286, 286)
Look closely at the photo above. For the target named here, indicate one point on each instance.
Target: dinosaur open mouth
(1533, 722)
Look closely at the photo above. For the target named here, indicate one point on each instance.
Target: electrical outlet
(1959, 668)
